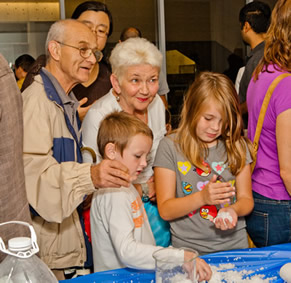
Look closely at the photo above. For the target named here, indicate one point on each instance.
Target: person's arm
(244, 108)
(244, 200)
(171, 207)
(283, 137)
(132, 253)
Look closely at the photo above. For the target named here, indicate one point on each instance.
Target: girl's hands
(217, 192)
(226, 219)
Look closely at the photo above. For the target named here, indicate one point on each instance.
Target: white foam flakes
(226, 273)
(223, 216)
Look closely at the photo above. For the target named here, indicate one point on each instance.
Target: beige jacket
(54, 190)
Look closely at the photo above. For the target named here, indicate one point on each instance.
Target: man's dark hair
(24, 61)
(96, 7)
(257, 14)
(129, 33)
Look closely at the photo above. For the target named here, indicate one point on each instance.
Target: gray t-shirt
(196, 230)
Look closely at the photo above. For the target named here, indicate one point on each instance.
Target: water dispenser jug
(21, 263)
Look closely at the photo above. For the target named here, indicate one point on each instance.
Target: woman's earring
(117, 98)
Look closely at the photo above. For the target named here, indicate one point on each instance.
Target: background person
(254, 19)
(33, 71)
(119, 221)
(56, 180)
(269, 223)
(22, 66)
(98, 18)
(200, 168)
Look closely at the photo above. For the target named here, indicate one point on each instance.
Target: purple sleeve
(282, 96)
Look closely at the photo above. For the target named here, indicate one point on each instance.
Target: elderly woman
(135, 66)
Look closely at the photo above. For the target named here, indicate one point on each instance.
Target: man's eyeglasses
(86, 52)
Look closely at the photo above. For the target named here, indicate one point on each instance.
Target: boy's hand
(203, 270)
(217, 192)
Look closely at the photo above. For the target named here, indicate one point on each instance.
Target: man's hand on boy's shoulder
(110, 173)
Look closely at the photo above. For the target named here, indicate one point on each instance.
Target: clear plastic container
(175, 265)
(21, 264)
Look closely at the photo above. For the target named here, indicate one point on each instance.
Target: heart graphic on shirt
(184, 167)
(218, 167)
(201, 185)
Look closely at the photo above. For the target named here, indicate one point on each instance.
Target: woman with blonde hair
(202, 171)
(269, 223)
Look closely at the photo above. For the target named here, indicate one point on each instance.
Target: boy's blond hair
(118, 128)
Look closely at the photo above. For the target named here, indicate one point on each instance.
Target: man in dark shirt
(254, 21)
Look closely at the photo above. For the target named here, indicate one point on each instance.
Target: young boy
(121, 234)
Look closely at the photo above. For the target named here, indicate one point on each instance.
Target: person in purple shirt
(269, 223)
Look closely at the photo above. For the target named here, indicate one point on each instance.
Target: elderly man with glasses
(57, 182)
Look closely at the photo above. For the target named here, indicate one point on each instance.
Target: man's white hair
(57, 32)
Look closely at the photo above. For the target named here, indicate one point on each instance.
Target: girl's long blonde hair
(278, 40)
(212, 86)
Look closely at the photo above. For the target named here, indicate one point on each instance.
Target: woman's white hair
(134, 51)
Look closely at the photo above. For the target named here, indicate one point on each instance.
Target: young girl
(121, 234)
(202, 170)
